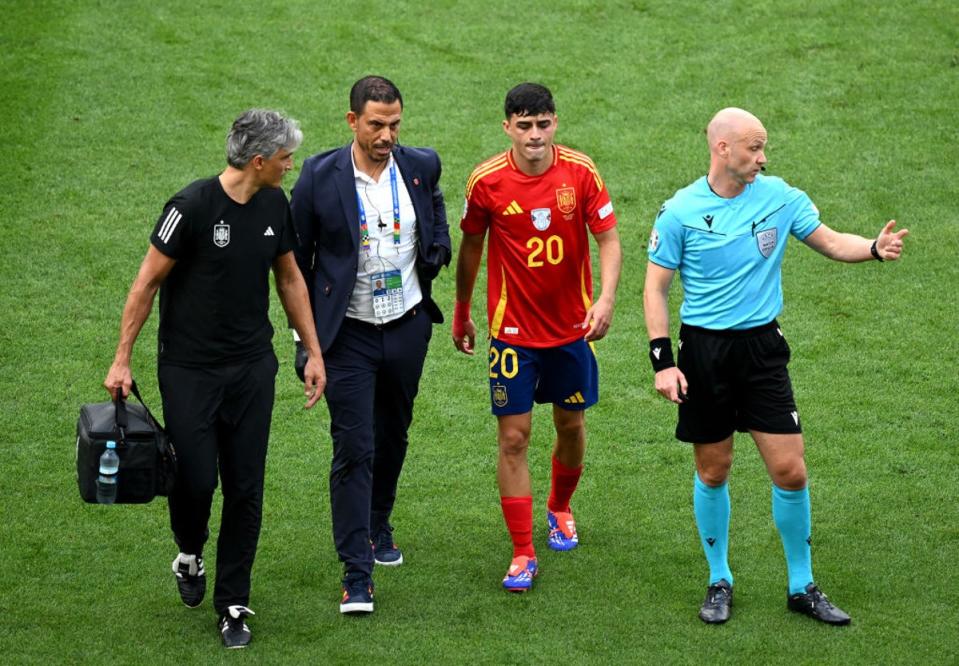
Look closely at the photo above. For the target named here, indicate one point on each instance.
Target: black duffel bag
(147, 457)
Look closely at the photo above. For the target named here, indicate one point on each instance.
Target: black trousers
(372, 377)
(219, 418)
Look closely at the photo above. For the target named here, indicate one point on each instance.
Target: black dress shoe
(719, 599)
(816, 605)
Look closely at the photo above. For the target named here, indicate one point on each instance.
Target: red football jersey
(539, 276)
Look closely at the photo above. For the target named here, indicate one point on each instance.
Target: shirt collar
(359, 175)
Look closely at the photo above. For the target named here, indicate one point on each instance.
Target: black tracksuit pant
(219, 418)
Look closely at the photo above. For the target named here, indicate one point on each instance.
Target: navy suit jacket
(327, 222)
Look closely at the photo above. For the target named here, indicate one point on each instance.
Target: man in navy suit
(372, 226)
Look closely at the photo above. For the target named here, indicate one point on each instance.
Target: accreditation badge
(387, 284)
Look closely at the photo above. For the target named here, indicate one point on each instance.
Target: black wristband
(874, 249)
(661, 354)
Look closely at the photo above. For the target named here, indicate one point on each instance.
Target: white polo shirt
(377, 199)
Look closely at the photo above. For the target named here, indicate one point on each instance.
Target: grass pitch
(110, 107)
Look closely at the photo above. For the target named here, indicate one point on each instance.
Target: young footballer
(536, 202)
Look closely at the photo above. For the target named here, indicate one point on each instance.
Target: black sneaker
(385, 552)
(190, 578)
(816, 605)
(357, 594)
(233, 629)
(719, 599)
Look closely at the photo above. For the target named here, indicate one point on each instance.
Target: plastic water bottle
(107, 481)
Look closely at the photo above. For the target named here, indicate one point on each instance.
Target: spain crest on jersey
(541, 218)
(766, 240)
(221, 234)
(499, 395)
(566, 199)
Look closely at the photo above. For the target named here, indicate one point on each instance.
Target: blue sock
(793, 520)
(711, 506)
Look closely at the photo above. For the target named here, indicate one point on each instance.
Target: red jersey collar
(509, 158)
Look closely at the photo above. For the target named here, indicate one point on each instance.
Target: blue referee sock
(711, 506)
(793, 519)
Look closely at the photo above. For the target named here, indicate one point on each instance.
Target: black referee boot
(719, 601)
(816, 605)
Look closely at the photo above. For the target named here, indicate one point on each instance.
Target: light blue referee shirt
(729, 251)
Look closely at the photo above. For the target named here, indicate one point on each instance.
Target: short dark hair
(373, 89)
(529, 99)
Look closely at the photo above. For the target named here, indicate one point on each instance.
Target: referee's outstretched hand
(671, 384)
(889, 242)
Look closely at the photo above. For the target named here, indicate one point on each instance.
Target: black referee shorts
(737, 381)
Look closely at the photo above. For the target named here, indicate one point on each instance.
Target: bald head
(732, 124)
(737, 145)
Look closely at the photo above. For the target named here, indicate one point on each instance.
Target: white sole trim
(389, 564)
(356, 608)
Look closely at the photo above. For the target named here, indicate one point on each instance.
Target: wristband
(874, 249)
(461, 315)
(661, 354)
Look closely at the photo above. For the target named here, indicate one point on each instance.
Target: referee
(210, 257)
(726, 234)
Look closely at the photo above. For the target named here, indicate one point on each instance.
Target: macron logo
(795, 416)
(657, 351)
(269, 232)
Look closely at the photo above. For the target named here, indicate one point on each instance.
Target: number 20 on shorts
(504, 362)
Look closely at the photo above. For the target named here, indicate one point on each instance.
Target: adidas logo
(575, 399)
(269, 232)
(513, 208)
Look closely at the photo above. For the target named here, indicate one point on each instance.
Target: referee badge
(221, 234)
(541, 218)
(766, 240)
(499, 395)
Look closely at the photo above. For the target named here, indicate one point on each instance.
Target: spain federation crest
(566, 199)
(541, 218)
(766, 240)
(221, 234)
(499, 395)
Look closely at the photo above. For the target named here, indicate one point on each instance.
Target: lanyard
(364, 227)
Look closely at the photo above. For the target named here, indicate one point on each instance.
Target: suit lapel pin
(416, 181)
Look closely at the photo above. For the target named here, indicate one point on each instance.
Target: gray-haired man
(210, 256)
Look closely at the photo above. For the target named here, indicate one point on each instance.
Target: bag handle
(121, 410)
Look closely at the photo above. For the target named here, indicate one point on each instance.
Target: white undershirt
(377, 198)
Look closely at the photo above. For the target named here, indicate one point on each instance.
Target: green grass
(110, 107)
